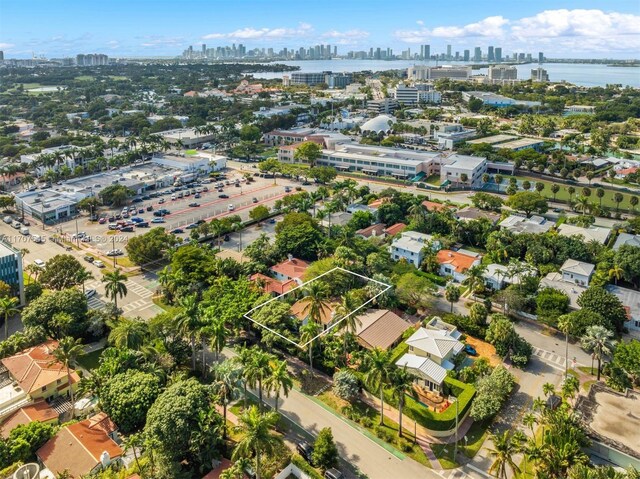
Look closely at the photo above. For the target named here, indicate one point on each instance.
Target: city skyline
(574, 29)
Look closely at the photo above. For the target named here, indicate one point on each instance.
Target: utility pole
(77, 232)
(113, 241)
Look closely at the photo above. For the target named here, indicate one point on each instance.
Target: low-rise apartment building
(415, 94)
(411, 245)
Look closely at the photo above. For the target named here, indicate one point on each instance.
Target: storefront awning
(367, 170)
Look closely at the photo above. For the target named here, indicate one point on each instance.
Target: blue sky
(164, 28)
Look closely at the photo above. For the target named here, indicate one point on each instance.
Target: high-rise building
(1, 56)
(204, 50)
(477, 56)
(11, 268)
(540, 57)
(490, 56)
(499, 73)
(466, 56)
(539, 74)
(448, 52)
(423, 72)
(427, 52)
(498, 54)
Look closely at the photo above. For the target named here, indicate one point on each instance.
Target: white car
(39, 263)
(231, 208)
(98, 264)
(89, 293)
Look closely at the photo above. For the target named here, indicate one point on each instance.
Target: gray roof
(626, 239)
(438, 343)
(592, 233)
(423, 367)
(555, 281)
(577, 267)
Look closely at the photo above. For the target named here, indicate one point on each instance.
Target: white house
(626, 239)
(410, 244)
(430, 356)
(592, 233)
(577, 272)
(631, 301)
(520, 224)
(463, 170)
(498, 276)
(455, 264)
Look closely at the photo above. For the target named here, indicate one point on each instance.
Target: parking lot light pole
(113, 240)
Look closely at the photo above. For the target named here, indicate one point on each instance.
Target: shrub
(345, 385)
(325, 452)
(493, 390)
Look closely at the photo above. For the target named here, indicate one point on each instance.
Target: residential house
(630, 298)
(340, 218)
(434, 206)
(521, 224)
(438, 324)
(626, 239)
(592, 233)
(471, 213)
(395, 229)
(376, 230)
(300, 310)
(577, 272)
(498, 276)
(273, 286)
(35, 374)
(410, 245)
(39, 411)
(380, 328)
(430, 356)
(82, 448)
(291, 269)
(457, 263)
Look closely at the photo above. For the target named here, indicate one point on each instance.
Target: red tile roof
(272, 285)
(373, 230)
(433, 206)
(461, 262)
(292, 268)
(39, 411)
(36, 367)
(395, 229)
(78, 447)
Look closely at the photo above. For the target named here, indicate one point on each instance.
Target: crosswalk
(138, 289)
(139, 304)
(552, 359)
(95, 303)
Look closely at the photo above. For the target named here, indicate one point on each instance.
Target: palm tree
(530, 420)
(616, 273)
(67, 352)
(475, 278)
(452, 294)
(315, 301)
(570, 387)
(133, 442)
(242, 360)
(280, 379)
(350, 320)
(115, 285)
(188, 322)
(258, 370)
(128, 333)
(83, 275)
(377, 372)
(598, 339)
(308, 333)
(401, 384)
(548, 389)
(504, 448)
(8, 308)
(258, 436)
(226, 380)
(218, 333)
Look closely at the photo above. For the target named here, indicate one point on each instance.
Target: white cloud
(563, 31)
(160, 42)
(250, 33)
(6, 46)
(348, 37)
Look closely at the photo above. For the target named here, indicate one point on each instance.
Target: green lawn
(433, 180)
(117, 77)
(563, 194)
(191, 152)
(85, 78)
(475, 438)
(90, 361)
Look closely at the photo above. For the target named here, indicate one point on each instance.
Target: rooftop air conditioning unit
(46, 205)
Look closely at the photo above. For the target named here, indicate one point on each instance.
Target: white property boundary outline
(326, 331)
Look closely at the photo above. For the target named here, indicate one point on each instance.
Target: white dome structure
(381, 123)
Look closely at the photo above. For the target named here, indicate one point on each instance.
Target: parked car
(191, 226)
(127, 229)
(305, 450)
(98, 263)
(223, 196)
(231, 207)
(177, 231)
(194, 205)
(333, 473)
(89, 293)
(470, 350)
(149, 208)
(158, 220)
(102, 220)
(161, 200)
(114, 252)
(227, 238)
(88, 258)
(255, 200)
(39, 263)
(142, 224)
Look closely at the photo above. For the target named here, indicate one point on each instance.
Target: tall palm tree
(133, 442)
(529, 420)
(218, 333)
(475, 278)
(350, 320)
(67, 352)
(258, 436)
(279, 380)
(115, 285)
(82, 276)
(315, 301)
(598, 340)
(128, 333)
(378, 371)
(188, 322)
(308, 333)
(8, 308)
(226, 384)
(243, 359)
(401, 385)
(616, 272)
(503, 451)
(258, 370)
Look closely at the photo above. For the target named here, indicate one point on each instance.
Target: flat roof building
(424, 72)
